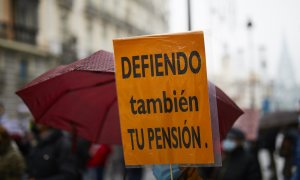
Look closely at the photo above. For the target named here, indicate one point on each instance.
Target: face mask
(229, 145)
(162, 172)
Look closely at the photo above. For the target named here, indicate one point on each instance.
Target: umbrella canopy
(82, 97)
(228, 112)
(248, 123)
(78, 97)
(278, 119)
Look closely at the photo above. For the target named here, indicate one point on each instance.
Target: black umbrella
(278, 119)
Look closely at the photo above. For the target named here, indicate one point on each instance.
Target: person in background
(51, 157)
(96, 164)
(17, 127)
(3, 116)
(82, 154)
(134, 173)
(237, 162)
(163, 171)
(287, 151)
(12, 165)
(115, 165)
(296, 174)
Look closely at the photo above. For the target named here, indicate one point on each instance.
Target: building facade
(257, 90)
(36, 35)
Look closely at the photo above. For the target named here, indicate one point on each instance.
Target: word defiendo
(160, 64)
(166, 138)
(164, 104)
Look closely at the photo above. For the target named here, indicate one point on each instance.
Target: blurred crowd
(34, 151)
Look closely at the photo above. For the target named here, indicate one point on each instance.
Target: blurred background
(252, 51)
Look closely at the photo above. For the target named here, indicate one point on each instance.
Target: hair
(237, 134)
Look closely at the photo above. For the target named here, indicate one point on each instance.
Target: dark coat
(52, 159)
(239, 164)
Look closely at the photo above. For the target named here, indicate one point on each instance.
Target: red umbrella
(228, 112)
(81, 97)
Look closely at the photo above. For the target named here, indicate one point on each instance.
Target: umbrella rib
(63, 94)
(105, 115)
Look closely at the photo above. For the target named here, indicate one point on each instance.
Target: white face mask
(229, 145)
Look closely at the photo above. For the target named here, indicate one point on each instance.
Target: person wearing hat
(237, 162)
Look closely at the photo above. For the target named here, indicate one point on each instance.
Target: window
(25, 20)
(23, 72)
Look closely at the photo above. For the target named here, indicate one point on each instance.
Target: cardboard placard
(163, 99)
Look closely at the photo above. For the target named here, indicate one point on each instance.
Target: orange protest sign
(163, 99)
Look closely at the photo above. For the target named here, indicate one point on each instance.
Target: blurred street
(251, 53)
